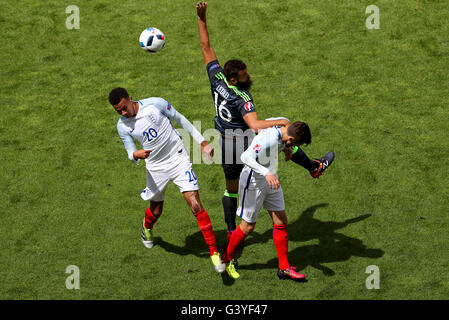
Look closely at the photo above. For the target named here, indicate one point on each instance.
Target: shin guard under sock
(229, 202)
(206, 228)
(280, 239)
(236, 240)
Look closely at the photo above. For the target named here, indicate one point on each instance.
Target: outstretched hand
(201, 8)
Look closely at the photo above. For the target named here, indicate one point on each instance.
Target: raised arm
(208, 52)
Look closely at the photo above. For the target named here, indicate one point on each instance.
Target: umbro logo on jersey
(169, 106)
(249, 106)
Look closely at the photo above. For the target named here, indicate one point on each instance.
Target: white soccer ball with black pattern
(152, 40)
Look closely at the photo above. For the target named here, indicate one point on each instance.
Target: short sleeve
(246, 107)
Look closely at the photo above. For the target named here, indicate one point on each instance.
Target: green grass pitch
(378, 98)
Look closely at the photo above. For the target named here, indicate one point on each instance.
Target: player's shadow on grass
(195, 245)
(332, 246)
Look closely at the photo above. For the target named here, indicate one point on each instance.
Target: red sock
(206, 228)
(280, 239)
(235, 241)
(150, 219)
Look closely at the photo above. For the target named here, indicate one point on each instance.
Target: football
(152, 40)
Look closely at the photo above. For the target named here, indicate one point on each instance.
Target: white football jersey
(152, 128)
(263, 153)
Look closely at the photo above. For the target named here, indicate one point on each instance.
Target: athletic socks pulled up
(235, 241)
(229, 202)
(280, 239)
(303, 160)
(206, 228)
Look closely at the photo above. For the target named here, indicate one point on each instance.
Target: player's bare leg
(152, 214)
(280, 239)
(247, 227)
(194, 202)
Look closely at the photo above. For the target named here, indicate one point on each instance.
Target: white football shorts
(157, 180)
(254, 193)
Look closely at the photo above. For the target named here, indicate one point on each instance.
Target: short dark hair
(116, 95)
(300, 131)
(232, 67)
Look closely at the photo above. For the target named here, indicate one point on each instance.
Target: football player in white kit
(148, 122)
(259, 186)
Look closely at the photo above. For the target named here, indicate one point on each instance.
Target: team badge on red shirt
(249, 106)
